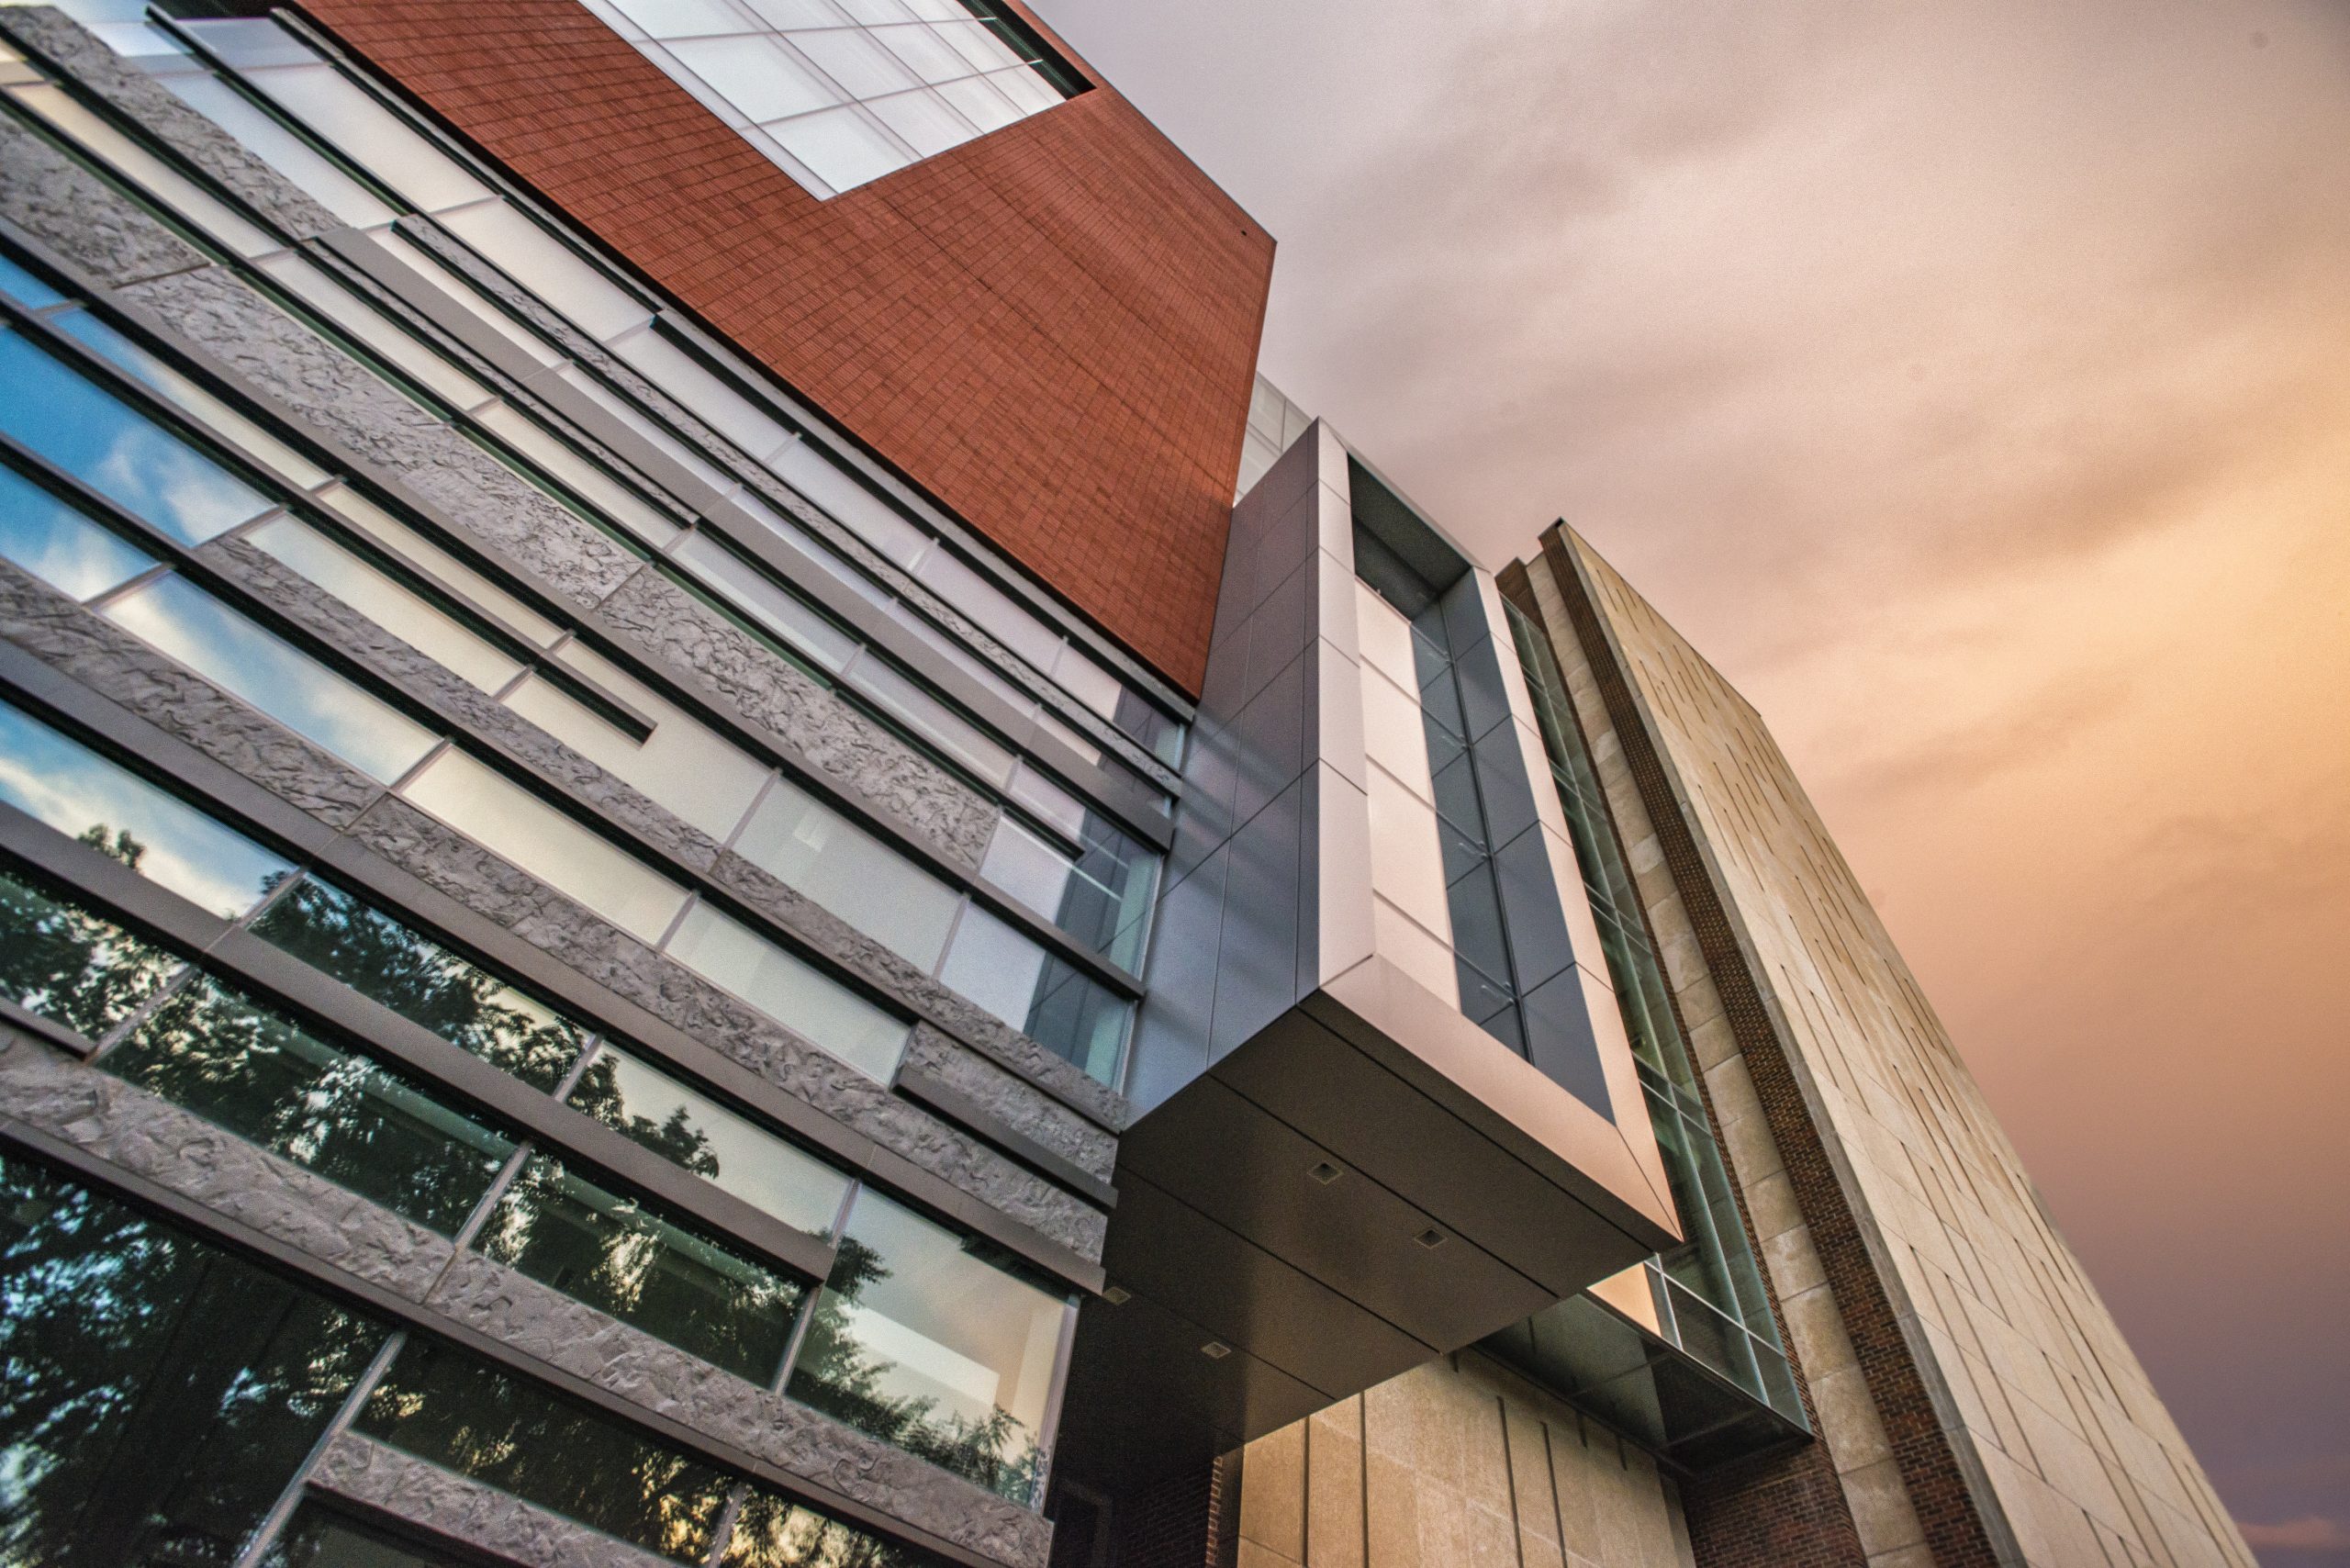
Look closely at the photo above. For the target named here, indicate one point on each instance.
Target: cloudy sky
(1972, 383)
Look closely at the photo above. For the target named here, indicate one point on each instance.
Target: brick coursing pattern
(1051, 328)
(1930, 1470)
(1786, 1509)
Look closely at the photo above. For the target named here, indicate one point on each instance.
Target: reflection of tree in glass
(834, 1373)
(674, 1138)
(159, 1395)
(775, 1532)
(63, 963)
(420, 981)
(446, 1406)
(611, 1254)
(210, 1049)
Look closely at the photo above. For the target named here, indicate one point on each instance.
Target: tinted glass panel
(210, 1049)
(66, 964)
(159, 1394)
(457, 1411)
(316, 1538)
(289, 686)
(921, 1341)
(59, 545)
(422, 982)
(116, 451)
(608, 1252)
(1012, 977)
(846, 870)
(728, 1150)
(73, 790)
(404, 614)
(793, 993)
(775, 1532)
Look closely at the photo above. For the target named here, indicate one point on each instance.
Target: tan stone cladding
(2020, 1428)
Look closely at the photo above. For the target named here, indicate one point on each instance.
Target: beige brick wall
(1456, 1464)
(2076, 1448)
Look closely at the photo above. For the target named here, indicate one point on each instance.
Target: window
(422, 982)
(284, 1087)
(790, 992)
(73, 790)
(838, 94)
(876, 888)
(62, 962)
(924, 1342)
(609, 1252)
(1017, 980)
(729, 1150)
(161, 1394)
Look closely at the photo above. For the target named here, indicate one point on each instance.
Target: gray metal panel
(1257, 962)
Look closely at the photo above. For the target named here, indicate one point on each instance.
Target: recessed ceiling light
(1430, 1238)
(1216, 1349)
(1116, 1295)
(1326, 1173)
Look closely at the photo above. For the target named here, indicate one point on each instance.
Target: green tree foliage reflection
(421, 980)
(64, 963)
(838, 1376)
(159, 1394)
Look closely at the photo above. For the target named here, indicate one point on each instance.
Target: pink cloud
(2311, 1534)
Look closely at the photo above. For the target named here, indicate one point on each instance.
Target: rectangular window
(73, 790)
(67, 964)
(114, 450)
(727, 1149)
(160, 1394)
(925, 1342)
(792, 993)
(183, 620)
(819, 853)
(1012, 977)
(281, 1087)
(457, 1411)
(400, 611)
(422, 982)
(609, 1252)
(59, 545)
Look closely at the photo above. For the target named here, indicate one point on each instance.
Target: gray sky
(1972, 383)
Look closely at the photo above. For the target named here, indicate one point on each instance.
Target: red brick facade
(1051, 328)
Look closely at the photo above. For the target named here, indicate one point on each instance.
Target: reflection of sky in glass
(59, 545)
(113, 450)
(820, 1009)
(25, 289)
(71, 789)
(239, 656)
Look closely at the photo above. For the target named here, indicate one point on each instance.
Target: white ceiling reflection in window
(840, 92)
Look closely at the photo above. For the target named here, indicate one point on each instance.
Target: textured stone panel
(1016, 1104)
(54, 197)
(561, 928)
(377, 1476)
(669, 1381)
(319, 385)
(49, 33)
(113, 663)
(836, 739)
(180, 1151)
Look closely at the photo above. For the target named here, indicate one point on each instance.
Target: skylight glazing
(841, 92)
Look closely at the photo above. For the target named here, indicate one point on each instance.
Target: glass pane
(544, 265)
(923, 121)
(926, 54)
(404, 614)
(846, 870)
(926, 715)
(852, 59)
(282, 149)
(608, 1252)
(499, 814)
(25, 289)
(457, 1411)
(750, 591)
(681, 18)
(765, 81)
(569, 468)
(1101, 898)
(438, 563)
(843, 147)
(76, 791)
(61, 961)
(160, 1393)
(369, 134)
(800, 997)
(376, 335)
(232, 652)
(772, 1531)
(350, 1121)
(59, 545)
(116, 451)
(920, 1341)
(1012, 977)
(980, 102)
(318, 1538)
(237, 430)
(422, 982)
(683, 765)
(730, 1151)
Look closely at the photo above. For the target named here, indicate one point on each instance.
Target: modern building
(717, 847)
